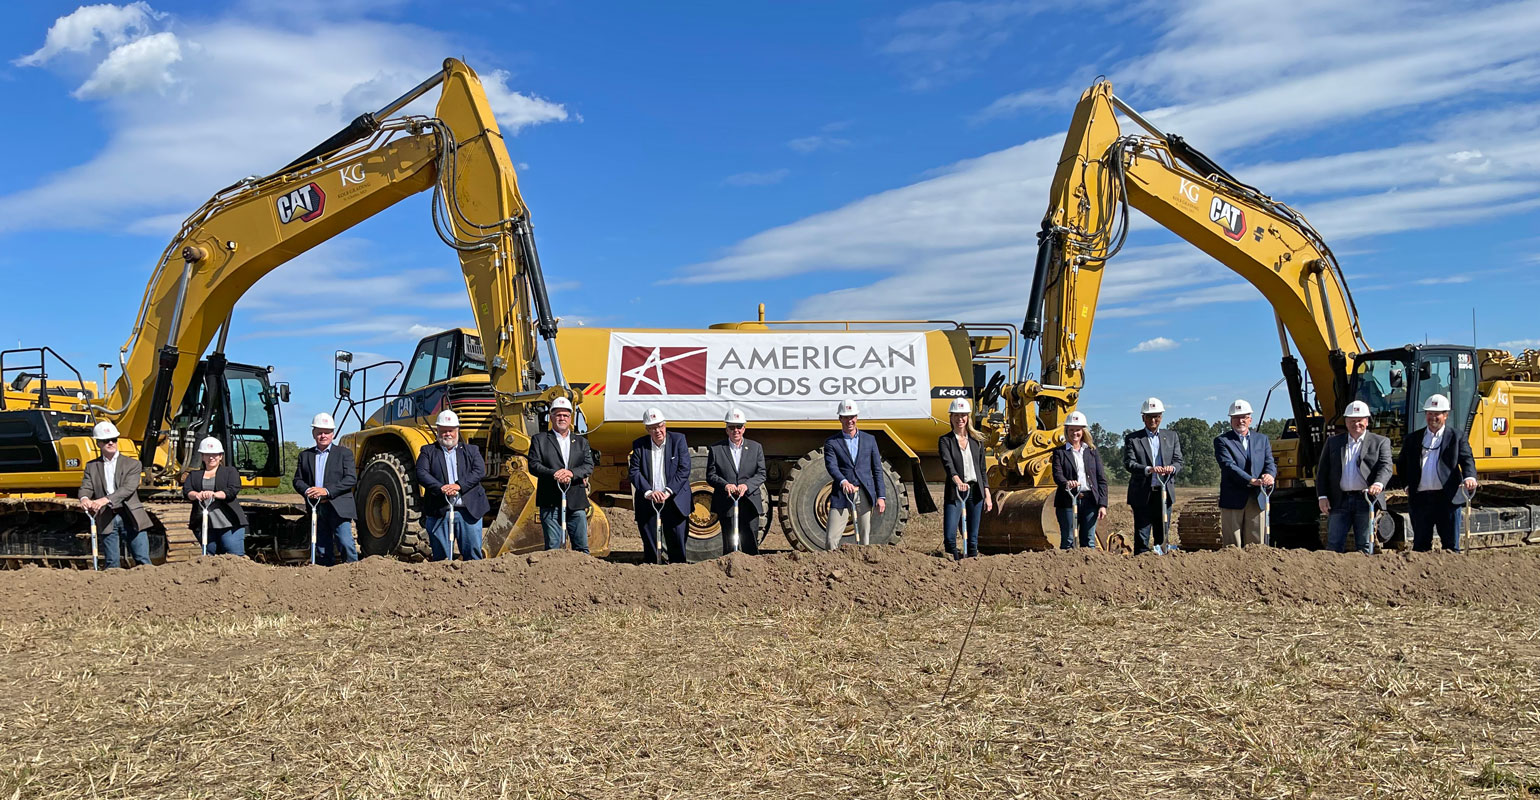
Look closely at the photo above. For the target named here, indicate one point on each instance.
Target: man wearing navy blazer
(450, 473)
(331, 493)
(1246, 468)
(1436, 462)
(735, 469)
(852, 460)
(659, 468)
(1151, 456)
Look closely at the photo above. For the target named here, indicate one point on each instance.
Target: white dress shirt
(564, 444)
(659, 482)
(1079, 454)
(1352, 470)
(737, 453)
(969, 473)
(110, 474)
(1431, 442)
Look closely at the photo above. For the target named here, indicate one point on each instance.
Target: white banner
(784, 375)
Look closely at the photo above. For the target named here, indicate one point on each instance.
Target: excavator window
(425, 364)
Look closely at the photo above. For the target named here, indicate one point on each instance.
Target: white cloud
(946, 245)
(80, 30)
(141, 64)
(1155, 345)
(757, 178)
(1520, 344)
(816, 142)
(937, 43)
(1449, 279)
(249, 98)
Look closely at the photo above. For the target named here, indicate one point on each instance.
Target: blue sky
(832, 160)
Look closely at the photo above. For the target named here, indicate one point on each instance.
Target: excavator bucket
(1023, 520)
(517, 526)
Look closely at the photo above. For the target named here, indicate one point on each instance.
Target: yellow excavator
(1101, 175)
(241, 234)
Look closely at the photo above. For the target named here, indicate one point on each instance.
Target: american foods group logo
(670, 371)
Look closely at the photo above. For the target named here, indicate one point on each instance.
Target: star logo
(669, 371)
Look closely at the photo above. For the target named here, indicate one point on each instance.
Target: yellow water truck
(788, 377)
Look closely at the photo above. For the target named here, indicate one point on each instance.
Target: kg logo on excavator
(303, 204)
(1228, 217)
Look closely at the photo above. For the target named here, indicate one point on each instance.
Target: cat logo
(1500, 426)
(1228, 217)
(303, 204)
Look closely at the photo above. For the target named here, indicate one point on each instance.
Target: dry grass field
(1215, 675)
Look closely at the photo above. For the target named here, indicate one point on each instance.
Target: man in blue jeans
(561, 462)
(109, 491)
(450, 472)
(1352, 473)
(325, 475)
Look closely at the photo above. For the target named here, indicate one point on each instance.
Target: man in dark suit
(1246, 475)
(331, 494)
(735, 468)
(1354, 468)
(561, 462)
(109, 491)
(659, 469)
(852, 460)
(1152, 456)
(450, 472)
(1436, 462)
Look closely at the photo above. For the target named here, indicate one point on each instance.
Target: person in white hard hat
(109, 491)
(325, 475)
(852, 460)
(659, 469)
(1436, 462)
(561, 461)
(962, 459)
(1353, 471)
(1082, 483)
(450, 471)
(216, 484)
(735, 469)
(1152, 457)
(1246, 467)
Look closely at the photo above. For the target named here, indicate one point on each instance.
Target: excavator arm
(252, 227)
(1101, 174)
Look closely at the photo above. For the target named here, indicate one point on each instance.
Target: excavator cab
(1396, 383)
(241, 412)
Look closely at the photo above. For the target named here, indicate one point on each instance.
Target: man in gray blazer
(735, 468)
(109, 491)
(1151, 455)
(1354, 468)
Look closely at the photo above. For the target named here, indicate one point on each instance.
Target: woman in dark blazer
(218, 485)
(1077, 454)
(962, 456)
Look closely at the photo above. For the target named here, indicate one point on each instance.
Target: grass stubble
(1054, 700)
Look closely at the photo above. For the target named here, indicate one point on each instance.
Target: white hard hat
(323, 421)
(1357, 408)
(653, 416)
(1240, 408)
(1076, 418)
(561, 404)
(735, 417)
(211, 446)
(104, 430)
(1152, 406)
(959, 406)
(848, 409)
(1437, 402)
(447, 419)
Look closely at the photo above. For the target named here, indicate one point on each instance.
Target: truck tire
(389, 520)
(703, 539)
(805, 506)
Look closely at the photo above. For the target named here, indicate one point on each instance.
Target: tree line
(1198, 465)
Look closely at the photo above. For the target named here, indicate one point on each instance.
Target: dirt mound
(873, 579)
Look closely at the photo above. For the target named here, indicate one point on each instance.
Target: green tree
(1198, 465)
(290, 463)
(1109, 446)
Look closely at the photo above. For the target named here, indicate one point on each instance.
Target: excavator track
(52, 531)
(1197, 523)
